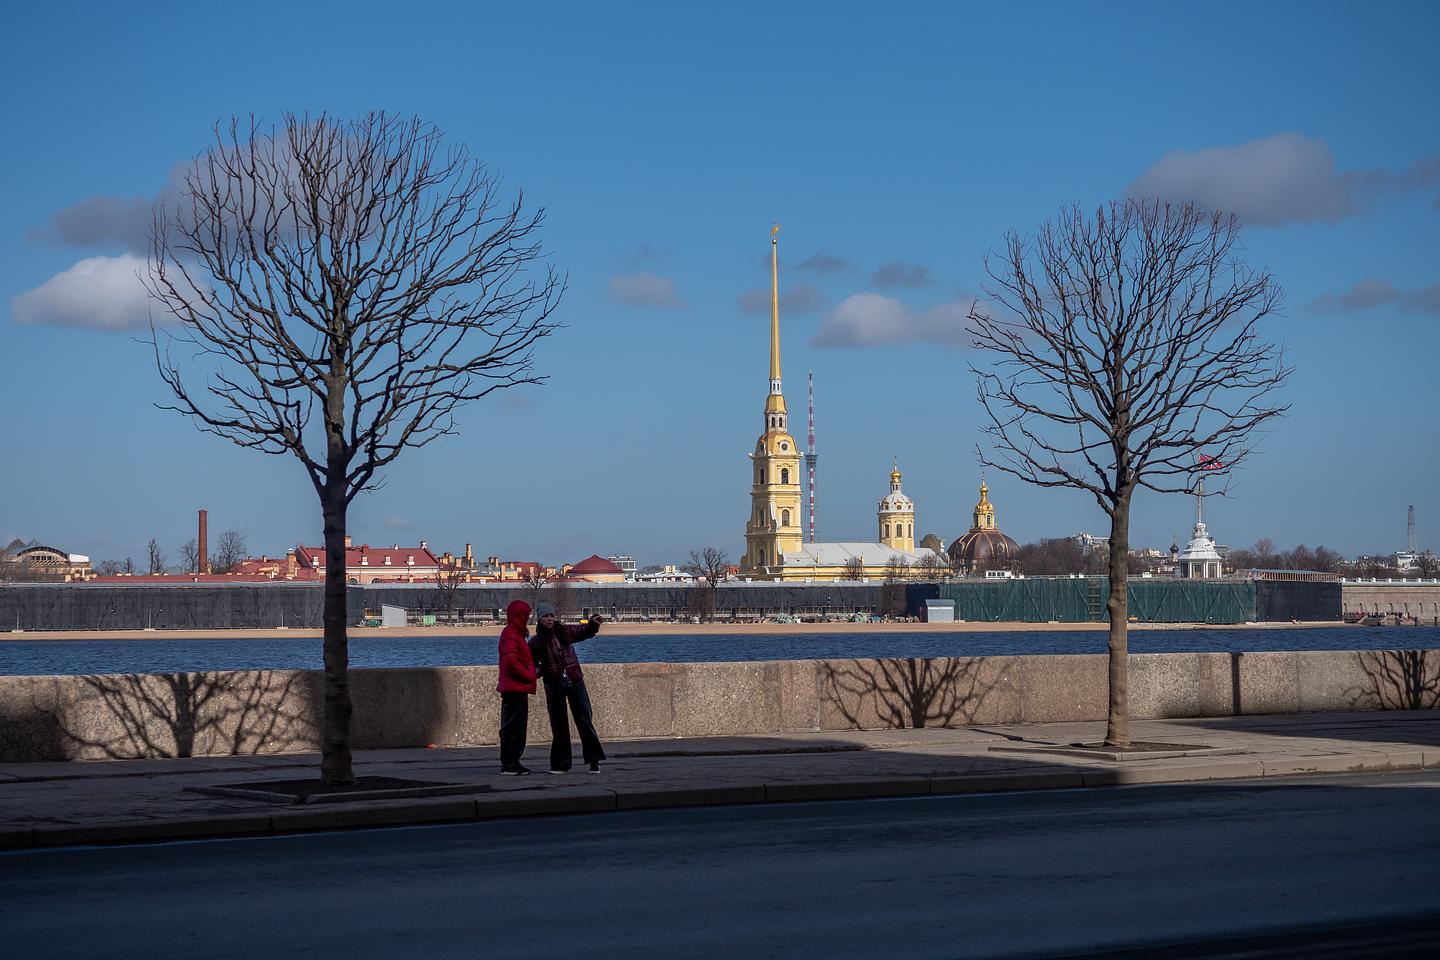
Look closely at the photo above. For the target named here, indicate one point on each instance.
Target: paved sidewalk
(52, 804)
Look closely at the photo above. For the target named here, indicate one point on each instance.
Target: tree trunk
(1117, 728)
(335, 759)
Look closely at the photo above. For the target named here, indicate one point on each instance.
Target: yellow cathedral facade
(775, 548)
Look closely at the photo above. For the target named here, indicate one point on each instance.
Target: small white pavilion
(1199, 560)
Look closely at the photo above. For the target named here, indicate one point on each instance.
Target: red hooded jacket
(517, 666)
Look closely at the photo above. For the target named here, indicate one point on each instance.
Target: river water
(174, 655)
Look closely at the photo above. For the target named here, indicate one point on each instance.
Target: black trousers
(514, 719)
(578, 699)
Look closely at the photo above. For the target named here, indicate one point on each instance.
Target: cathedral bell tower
(773, 530)
(896, 516)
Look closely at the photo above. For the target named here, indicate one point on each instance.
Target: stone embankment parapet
(269, 712)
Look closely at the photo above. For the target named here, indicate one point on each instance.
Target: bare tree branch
(340, 289)
(1122, 348)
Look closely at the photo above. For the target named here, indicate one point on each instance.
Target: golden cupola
(984, 510)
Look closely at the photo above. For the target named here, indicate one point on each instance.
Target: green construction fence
(1082, 599)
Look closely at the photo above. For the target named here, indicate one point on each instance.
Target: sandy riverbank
(639, 629)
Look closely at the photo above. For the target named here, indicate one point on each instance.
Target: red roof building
(367, 564)
(596, 569)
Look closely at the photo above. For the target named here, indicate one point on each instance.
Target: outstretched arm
(581, 632)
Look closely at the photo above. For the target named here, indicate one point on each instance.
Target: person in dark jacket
(516, 686)
(554, 649)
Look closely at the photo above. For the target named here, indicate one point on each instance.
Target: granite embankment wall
(209, 714)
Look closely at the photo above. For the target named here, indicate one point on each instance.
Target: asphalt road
(1037, 873)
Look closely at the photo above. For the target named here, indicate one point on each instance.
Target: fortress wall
(1411, 598)
(265, 712)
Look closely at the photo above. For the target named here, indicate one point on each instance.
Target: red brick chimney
(203, 545)
(290, 567)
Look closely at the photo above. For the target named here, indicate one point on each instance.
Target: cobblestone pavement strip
(43, 804)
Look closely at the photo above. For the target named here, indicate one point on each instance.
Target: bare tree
(892, 593)
(559, 593)
(854, 569)
(156, 557)
(711, 565)
(341, 289)
(448, 578)
(535, 578)
(229, 551)
(1125, 348)
(932, 567)
(1265, 552)
(190, 557)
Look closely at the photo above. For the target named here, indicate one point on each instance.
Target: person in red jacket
(516, 686)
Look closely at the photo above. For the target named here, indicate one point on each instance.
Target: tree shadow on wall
(1398, 680)
(135, 716)
(899, 693)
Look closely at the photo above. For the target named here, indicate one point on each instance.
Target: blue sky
(896, 144)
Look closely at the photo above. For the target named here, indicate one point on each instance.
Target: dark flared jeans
(558, 695)
(514, 719)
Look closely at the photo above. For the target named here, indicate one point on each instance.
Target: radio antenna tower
(1409, 525)
(810, 456)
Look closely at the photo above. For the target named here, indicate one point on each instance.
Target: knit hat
(542, 608)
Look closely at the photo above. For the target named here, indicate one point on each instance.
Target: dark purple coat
(554, 650)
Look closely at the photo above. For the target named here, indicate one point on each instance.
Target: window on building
(784, 475)
(784, 518)
(887, 531)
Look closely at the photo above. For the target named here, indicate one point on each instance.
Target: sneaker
(515, 772)
(559, 770)
(594, 766)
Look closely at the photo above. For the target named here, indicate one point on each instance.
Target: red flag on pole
(1210, 463)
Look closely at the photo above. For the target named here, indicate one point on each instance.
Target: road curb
(690, 797)
(149, 831)
(523, 803)
(1006, 782)
(379, 813)
(846, 789)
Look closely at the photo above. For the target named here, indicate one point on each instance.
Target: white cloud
(1371, 293)
(644, 290)
(824, 263)
(870, 319)
(897, 273)
(797, 298)
(100, 292)
(1285, 178)
(101, 221)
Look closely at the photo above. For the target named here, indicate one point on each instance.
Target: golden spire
(774, 308)
(775, 402)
